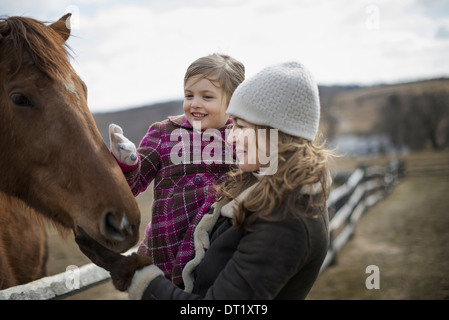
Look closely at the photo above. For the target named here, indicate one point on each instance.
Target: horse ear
(62, 26)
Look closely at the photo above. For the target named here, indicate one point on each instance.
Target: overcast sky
(132, 53)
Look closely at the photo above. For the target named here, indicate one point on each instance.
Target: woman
(267, 235)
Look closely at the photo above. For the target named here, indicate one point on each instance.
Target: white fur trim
(202, 231)
(315, 188)
(201, 240)
(141, 280)
(228, 209)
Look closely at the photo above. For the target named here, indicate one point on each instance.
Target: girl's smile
(198, 116)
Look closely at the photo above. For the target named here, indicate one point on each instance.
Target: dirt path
(406, 235)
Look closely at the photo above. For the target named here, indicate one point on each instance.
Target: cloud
(143, 52)
(442, 32)
(136, 52)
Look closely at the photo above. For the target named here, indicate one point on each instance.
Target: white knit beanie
(283, 96)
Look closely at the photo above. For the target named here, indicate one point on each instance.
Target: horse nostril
(126, 226)
(116, 230)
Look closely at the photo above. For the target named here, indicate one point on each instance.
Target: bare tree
(416, 120)
(431, 109)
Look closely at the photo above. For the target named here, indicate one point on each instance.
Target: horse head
(52, 155)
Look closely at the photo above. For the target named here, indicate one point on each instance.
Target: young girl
(175, 155)
(267, 235)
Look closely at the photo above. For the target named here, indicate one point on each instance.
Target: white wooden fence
(346, 204)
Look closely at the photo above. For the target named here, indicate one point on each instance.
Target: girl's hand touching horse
(122, 268)
(124, 150)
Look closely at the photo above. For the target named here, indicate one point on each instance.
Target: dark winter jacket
(275, 260)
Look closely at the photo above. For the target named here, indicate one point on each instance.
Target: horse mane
(45, 47)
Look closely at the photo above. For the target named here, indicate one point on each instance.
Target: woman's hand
(122, 268)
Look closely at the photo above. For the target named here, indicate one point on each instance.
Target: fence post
(362, 189)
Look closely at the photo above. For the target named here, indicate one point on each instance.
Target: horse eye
(21, 101)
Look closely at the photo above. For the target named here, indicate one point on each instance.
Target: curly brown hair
(300, 163)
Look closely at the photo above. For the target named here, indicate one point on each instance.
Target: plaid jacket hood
(181, 163)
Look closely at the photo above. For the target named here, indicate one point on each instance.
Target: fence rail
(364, 188)
(346, 204)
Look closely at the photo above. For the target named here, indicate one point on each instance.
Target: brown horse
(52, 156)
(25, 259)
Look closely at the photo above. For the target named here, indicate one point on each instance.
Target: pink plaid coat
(181, 162)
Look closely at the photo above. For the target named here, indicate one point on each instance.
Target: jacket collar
(181, 121)
(228, 209)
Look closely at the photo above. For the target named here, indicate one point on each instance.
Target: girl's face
(204, 103)
(243, 136)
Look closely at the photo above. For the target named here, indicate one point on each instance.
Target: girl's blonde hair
(300, 162)
(221, 68)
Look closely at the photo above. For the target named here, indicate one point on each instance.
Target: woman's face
(243, 136)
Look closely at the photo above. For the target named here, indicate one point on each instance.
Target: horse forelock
(44, 46)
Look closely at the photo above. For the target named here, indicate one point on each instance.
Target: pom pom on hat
(284, 96)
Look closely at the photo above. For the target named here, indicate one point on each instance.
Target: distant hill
(414, 114)
(135, 122)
